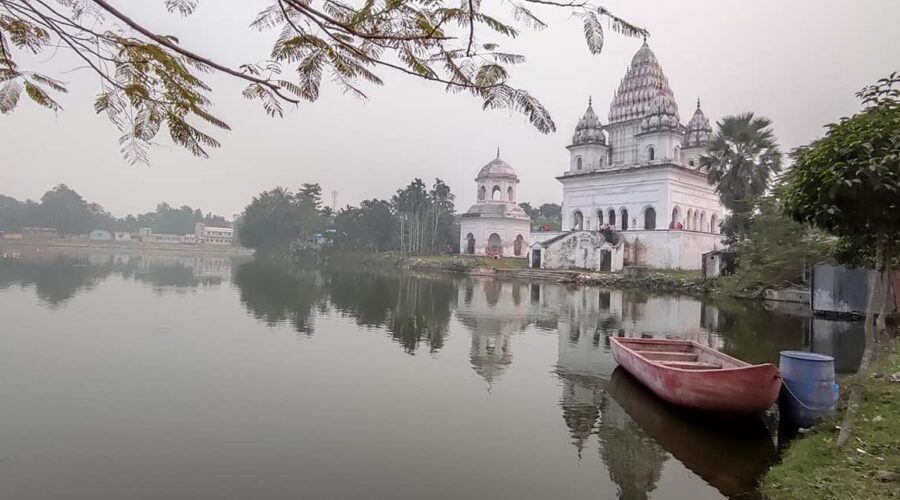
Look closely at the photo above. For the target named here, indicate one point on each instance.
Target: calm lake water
(126, 376)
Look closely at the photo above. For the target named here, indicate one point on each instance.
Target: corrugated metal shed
(840, 290)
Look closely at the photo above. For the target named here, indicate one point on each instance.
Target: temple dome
(662, 114)
(698, 129)
(643, 82)
(589, 129)
(497, 168)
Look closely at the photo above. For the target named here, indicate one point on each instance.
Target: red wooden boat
(686, 373)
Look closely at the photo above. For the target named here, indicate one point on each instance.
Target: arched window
(624, 219)
(600, 161)
(612, 218)
(702, 226)
(689, 219)
(470, 244)
(651, 153)
(495, 193)
(578, 221)
(517, 245)
(713, 224)
(696, 224)
(481, 193)
(677, 153)
(691, 162)
(675, 214)
(509, 194)
(650, 218)
(578, 164)
(599, 219)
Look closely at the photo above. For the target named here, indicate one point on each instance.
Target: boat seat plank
(668, 355)
(691, 365)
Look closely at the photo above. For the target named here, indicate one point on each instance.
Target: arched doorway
(578, 221)
(599, 219)
(703, 221)
(517, 245)
(495, 193)
(675, 216)
(713, 224)
(624, 219)
(495, 247)
(509, 194)
(612, 217)
(689, 219)
(650, 218)
(696, 225)
(482, 192)
(470, 244)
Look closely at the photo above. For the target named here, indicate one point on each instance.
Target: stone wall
(668, 248)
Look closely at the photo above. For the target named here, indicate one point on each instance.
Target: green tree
(372, 226)
(149, 79)
(270, 223)
(776, 251)
(65, 210)
(743, 156)
(848, 183)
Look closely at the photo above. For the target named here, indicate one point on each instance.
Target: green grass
(463, 262)
(677, 274)
(812, 468)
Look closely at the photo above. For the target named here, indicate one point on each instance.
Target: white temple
(496, 226)
(639, 174)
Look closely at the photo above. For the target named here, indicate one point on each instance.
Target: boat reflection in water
(731, 455)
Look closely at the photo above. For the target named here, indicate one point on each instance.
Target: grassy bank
(461, 263)
(869, 466)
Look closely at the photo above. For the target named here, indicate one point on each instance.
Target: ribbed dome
(497, 168)
(698, 129)
(662, 114)
(643, 81)
(589, 130)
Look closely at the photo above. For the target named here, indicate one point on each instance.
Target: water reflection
(604, 421)
(59, 275)
(731, 455)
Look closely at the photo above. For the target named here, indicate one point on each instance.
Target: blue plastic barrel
(808, 391)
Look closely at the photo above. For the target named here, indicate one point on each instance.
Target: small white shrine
(496, 226)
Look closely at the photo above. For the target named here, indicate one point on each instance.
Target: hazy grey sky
(797, 62)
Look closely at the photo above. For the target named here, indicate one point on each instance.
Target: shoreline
(133, 247)
(655, 280)
(868, 466)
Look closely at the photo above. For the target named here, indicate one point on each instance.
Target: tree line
(417, 219)
(63, 209)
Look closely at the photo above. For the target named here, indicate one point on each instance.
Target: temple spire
(498, 151)
(698, 103)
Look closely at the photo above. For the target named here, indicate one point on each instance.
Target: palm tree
(743, 155)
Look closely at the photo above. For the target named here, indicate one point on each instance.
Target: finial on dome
(498, 152)
(698, 103)
(590, 98)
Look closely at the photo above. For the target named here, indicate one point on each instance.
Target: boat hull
(740, 388)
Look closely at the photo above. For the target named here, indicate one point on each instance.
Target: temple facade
(495, 226)
(639, 173)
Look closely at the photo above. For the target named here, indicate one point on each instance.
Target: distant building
(100, 235)
(144, 231)
(168, 239)
(12, 235)
(41, 232)
(122, 236)
(209, 235)
(496, 225)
